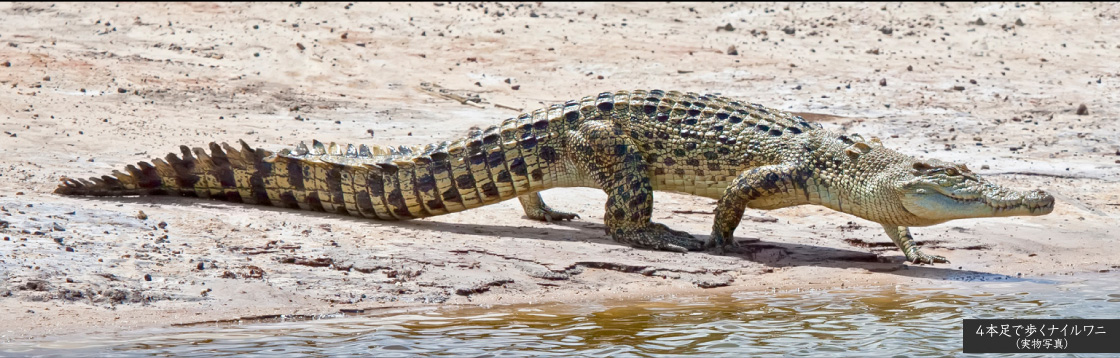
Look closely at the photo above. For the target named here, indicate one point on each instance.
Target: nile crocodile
(627, 143)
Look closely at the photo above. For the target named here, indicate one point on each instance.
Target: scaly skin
(627, 143)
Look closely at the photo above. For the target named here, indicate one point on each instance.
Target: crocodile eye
(951, 172)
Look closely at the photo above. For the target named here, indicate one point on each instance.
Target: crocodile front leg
(768, 187)
(536, 209)
(615, 164)
(901, 237)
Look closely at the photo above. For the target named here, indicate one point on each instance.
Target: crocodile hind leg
(615, 164)
(768, 187)
(901, 237)
(536, 209)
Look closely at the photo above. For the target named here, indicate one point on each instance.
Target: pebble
(1082, 110)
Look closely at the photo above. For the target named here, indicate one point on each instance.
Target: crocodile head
(936, 191)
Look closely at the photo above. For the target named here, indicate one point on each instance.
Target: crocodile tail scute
(225, 173)
(376, 182)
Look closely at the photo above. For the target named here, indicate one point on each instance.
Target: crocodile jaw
(939, 204)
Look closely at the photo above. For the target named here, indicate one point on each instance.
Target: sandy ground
(88, 88)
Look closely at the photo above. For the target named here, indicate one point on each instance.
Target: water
(883, 321)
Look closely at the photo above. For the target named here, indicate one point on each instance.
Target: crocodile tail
(374, 182)
(225, 173)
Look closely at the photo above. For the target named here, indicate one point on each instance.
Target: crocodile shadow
(782, 254)
(768, 253)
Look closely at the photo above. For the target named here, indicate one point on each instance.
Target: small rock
(985, 167)
(958, 88)
(886, 30)
(727, 27)
(979, 21)
(122, 90)
(732, 51)
(147, 277)
(1019, 22)
(141, 215)
(300, 46)
(57, 227)
(789, 30)
(515, 87)
(1082, 110)
(162, 225)
(201, 266)
(883, 82)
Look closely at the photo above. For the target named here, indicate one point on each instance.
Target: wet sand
(88, 88)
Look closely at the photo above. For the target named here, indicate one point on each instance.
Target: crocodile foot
(920, 257)
(549, 215)
(658, 236)
(719, 243)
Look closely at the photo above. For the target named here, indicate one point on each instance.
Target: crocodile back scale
(628, 143)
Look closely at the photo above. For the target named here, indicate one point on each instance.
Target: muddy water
(883, 321)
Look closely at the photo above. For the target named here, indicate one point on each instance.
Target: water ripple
(891, 321)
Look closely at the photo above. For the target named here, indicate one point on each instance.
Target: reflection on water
(893, 321)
